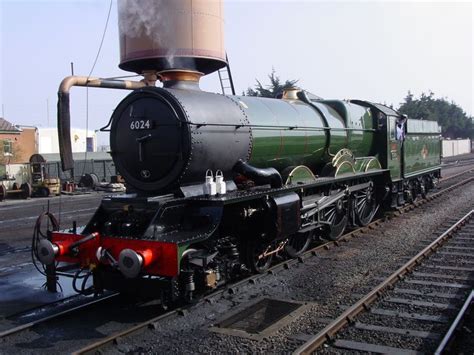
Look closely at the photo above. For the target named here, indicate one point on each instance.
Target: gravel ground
(375, 319)
(393, 340)
(426, 298)
(454, 262)
(326, 282)
(410, 309)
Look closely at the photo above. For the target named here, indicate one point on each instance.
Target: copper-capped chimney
(160, 35)
(180, 79)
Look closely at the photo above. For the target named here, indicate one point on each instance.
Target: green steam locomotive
(218, 185)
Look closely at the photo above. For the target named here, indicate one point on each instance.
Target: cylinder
(158, 35)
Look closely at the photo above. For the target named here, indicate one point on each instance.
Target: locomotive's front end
(131, 245)
(155, 146)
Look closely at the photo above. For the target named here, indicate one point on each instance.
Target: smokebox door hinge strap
(140, 141)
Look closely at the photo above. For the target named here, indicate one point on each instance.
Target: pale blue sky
(370, 50)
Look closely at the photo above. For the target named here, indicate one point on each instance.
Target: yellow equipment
(41, 183)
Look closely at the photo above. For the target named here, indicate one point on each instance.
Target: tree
(273, 89)
(453, 120)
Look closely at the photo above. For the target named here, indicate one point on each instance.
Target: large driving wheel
(298, 243)
(365, 205)
(337, 216)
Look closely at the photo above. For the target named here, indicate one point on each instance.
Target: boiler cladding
(163, 138)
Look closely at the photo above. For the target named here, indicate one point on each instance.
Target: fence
(456, 147)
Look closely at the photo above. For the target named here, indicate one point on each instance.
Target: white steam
(144, 18)
(151, 21)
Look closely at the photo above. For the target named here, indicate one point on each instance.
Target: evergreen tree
(453, 120)
(275, 87)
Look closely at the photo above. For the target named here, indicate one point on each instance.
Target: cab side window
(392, 130)
(381, 120)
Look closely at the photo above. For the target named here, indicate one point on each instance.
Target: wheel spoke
(362, 200)
(331, 216)
(365, 206)
(298, 243)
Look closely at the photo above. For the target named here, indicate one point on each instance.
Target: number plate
(138, 125)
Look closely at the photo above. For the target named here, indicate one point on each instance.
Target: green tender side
(280, 133)
(3, 171)
(421, 147)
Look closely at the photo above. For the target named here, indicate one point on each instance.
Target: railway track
(241, 285)
(456, 175)
(460, 162)
(70, 328)
(232, 289)
(61, 308)
(412, 306)
(450, 337)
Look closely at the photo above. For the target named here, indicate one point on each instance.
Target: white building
(80, 140)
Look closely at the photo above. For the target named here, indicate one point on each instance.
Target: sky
(373, 50)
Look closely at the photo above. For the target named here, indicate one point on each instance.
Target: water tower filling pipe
(64, 114)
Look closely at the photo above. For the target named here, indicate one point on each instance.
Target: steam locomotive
(295, 169)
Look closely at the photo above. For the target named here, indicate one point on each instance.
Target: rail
(347, 316)
(454, 326)
(31, 324)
